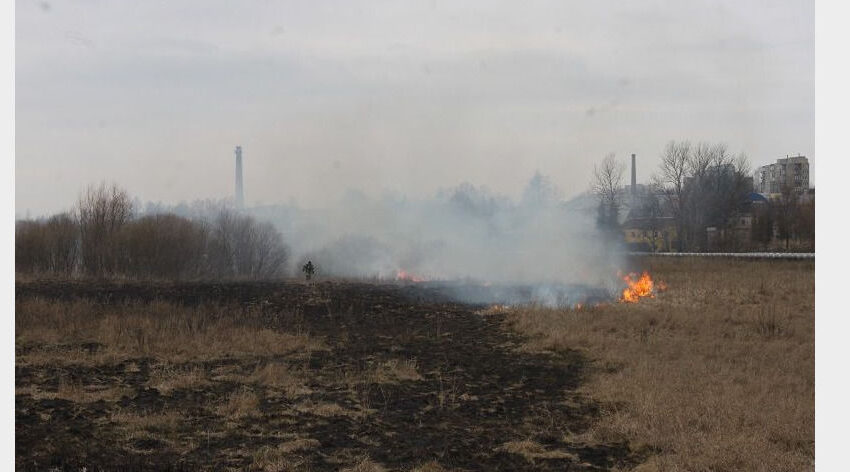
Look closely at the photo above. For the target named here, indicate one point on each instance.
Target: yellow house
(650, 234)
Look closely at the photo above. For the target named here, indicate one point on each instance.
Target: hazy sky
(393, 96)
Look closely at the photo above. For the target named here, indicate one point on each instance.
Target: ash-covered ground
(469, 398)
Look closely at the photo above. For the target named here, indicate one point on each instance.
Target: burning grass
(717, 373)
(639, 287)
(106, 378)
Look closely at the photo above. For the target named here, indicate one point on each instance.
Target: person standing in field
(308, 270)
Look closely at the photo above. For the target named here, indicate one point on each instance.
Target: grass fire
(638, 287)
(405, 276)
(430, 236)
(326, 374)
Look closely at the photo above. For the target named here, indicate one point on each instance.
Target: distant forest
(102, 237)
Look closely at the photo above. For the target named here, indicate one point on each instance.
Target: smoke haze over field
(464, 232)
(353, 114)
(388, 97)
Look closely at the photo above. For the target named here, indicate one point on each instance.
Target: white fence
(745, 255)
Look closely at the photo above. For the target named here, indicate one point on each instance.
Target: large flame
(637, 287)
(408, 277)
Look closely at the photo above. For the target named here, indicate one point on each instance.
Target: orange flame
(408, 277)
(637, 288)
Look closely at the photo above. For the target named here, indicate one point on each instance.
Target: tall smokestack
(634, 178)
(239, 197)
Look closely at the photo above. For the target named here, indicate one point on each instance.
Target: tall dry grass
(715, 374)
(84, 331)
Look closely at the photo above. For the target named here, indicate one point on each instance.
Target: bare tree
(240, 247)
(675, 162)
(268, 254)
(101, 212)
(163, 246)
(62, 243)
(786, 210)
(29, 247)
(104, 239)
(704, 185)
(673, 173)
(607, 185)
(806, 223)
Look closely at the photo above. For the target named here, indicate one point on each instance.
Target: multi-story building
(791, 172)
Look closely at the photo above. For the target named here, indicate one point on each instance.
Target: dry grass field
(280, 376)
(714, 374)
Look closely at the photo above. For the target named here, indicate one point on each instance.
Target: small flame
(408, 277)
(638, 287)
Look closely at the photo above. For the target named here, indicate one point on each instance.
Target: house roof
(756, 197)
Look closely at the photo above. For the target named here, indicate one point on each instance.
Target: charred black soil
(406, 377)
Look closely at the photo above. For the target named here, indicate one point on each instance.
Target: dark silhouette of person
(308, 270)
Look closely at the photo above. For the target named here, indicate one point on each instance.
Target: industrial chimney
(239, 197)
(634, 179)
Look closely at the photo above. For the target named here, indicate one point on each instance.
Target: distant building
(737, 234)
(791, 172)
(648, 234)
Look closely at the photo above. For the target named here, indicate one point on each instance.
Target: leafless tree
(29, 247)
(163, 246)
(786, 211)
(47, 246)
(806, 223)
(607, 185)
(675, 162)
(62, 238)
(673, 174)
(240, 247)
(101, 212)
(267, 254)
(704, 185)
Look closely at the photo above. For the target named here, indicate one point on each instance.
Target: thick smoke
(539, 248)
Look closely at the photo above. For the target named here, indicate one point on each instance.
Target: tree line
(103, 237)
(700, 186)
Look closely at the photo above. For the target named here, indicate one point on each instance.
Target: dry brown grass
(240, 404)
(225, 355)
(327, 409)
(284, 456)
(365, 465)
(76, 392)
(156, 422)
(716, 374)
(164, 331)
(532, 451)
(431, 466)
(386, 372)
(397, 369)
(280, 376)
(167, 378)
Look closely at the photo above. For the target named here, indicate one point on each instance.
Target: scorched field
(714, 373)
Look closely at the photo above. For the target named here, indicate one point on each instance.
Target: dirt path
(478, 403)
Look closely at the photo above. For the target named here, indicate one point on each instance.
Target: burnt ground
(477, 392)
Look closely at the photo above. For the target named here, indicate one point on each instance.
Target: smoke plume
(537, 248)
